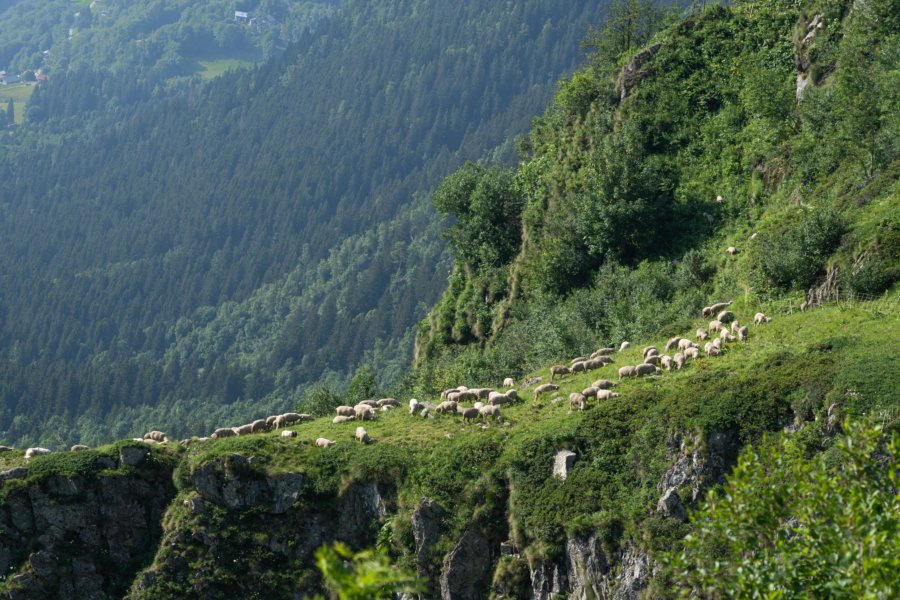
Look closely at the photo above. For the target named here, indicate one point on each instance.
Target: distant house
(241, 16)
(41, 77)
(8, 78)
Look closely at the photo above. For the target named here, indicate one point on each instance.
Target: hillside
(688, 172)
(188, 256)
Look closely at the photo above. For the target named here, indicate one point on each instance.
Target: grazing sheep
(270, 422)
(590, 392)
(489, 410)
(706, 311)
(342, 419)
(578, 359)
(606, 360)
(624, 346)
(743, 332)
(484, 393)
(496, 399)
(445, 394)
(606, 395)
(364, 412)
(717, 343)
(804, 305)
(287, 433)
(726, 316)
(684, 344)
(723, 333)
(604, 384)
(324, 443)
(627, 371)
(280, 422)
(672, 343)
(466, 395)
(445, 407)
(156, 436)
(425, 414)
(702, 334)
(649, 349)
(242, 430)
(753, 235)
(478, 404)
(645, 369)
(363, 436)
(578, 367)
(719, 200)
(258, 426)
(387, 407)
(558, 370)
(508, 382)
(731, 250)
(692, 352)
(388, 402)
(547, 387)
(513, 395)
(666, 361)
(416, 406)
(345, 411)
(291, 417)
(470, 414)
(715, 326)
(591, 364)
(718, 306)
(760, 318)
(653, 359)
(678, 359)
(79, 448)
(603, 352)
(454, 396)
(373, 403)
(32, 452)
(577, 400)
(222, 432)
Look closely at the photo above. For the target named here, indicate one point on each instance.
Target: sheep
(606, 395)
(445, 407)
(728, 337)
(606, 360)
(645, 369)
(484, 393)
(624, 346)
(478, 405)
(577, 400)
(692, 352)
(508, 382)
(603, 352)
(702, 334)
(243, 429)
(590, 392)
(558, 370)
(467, 394)
(363, 436)
(715, 326)
(726, 316)
(591, 364)
(454, 396)
(387, 402)
(470, 414)
(513, 395)
(653, 359)
(626, 372)
(324, 443)
(445, 394)
(489, 410)
(678, 359)
(496, 399)
(666, 361)
(672, 343)
(387, 407)
(425, 414)
(711, 349)
(684, 343)
(415, 406)
(760, 318)
(79, 448)
(731, 250)
(222, 432)
(604, 384)
(364, 412)
(719, 199)
(280, 422)
(578, 359)
(342, 419)
(372, 403)
(345, 411)
(270, 422)
(717, 307)
(723, 334)
(291, 417)
(156, 436)
(32, 452)
(578, 367)
(649, 350)
(743, 332)
(258, 426)
(287, 433)
(547, 387)
(717, 343)
(753, 235)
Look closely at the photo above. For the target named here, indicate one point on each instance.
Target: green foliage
(794, 256)
(785, 526)
(321, 400)
(364, 575)
(362, 386)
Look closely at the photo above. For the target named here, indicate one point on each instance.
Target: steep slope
(228, 245)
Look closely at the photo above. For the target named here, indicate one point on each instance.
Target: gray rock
(670, 506)
(634, 71)
(285, 491)
(563, 461)
(426, 525)
(548, 581)
(358, 507)
(466, 573)
(586, 566)
(130, 456)
(17, 473)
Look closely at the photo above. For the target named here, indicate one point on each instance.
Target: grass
(211, 68)
(19, 93)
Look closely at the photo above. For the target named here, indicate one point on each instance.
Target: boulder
(563, 461)
(130, 456)
(467, 569)
(671, 507)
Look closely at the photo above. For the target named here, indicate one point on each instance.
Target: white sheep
(497, 399)
(270, 422)
(606, 394)
(363, 436)
(287, 433)
(666, 361)
(242, 430)
(345, 411)
(558, 370)
(513, 395)
(364, 412)
(32, 452)
(648, 350)
(627, 371)
(692, 352)
(760, 318)
(678, 359)
(222, 432)
(324, 443)
(342, 419)
(372, 403)
(79, 448)
(508, 382)
(726, 316)
(645, 369)
(684, 344)
(715, 326)
(578, 367)
(577, 400)
(624, 346)
(603, 352)
(590, 392)
(672, 343)
(604, 384)
(731, 250)
(470, 414)
(653, 359)
(743, 332)
(702, 334)
(546, 387)
(416, 406)
(156, 436)
(446, 406)
(489, 410)
(388, 402)
(711, 310)
(258, 426)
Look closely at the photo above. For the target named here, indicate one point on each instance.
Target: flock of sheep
(486, 402)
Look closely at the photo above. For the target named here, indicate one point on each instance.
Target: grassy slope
(19, 93)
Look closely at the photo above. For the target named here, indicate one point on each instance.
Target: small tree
(362, 386)
(10, 113)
